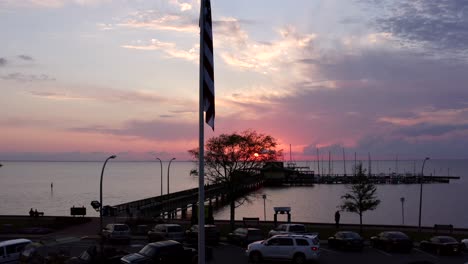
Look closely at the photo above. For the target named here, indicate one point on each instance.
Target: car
(92, 256)
(287, 229)
(441, 245)
(244, 236)
(392, 241)
(288, 247)
(162, 252)
(166, 232)
(346, 240)
(116, 232)
(211, 235)
(10, 250)
(50, 250)
(464, 244)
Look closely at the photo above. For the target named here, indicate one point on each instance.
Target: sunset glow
(84, 79)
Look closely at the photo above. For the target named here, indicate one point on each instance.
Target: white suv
(298, 248)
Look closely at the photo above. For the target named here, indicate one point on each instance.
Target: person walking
(337, 219)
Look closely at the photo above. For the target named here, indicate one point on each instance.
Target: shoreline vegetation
(37, 227)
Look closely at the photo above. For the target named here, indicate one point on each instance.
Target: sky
(83, 79)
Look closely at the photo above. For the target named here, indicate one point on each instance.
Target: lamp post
(264, 207)
(402, 199)
(160, 162)
(100, 190)
(168, 167)
(420, 193)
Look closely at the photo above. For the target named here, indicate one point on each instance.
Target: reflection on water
(28, 184)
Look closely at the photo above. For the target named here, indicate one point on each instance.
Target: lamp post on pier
(264, 207)
(160, 162)
(402, 199)
(168, 167)
(100, 190)
(421, 180)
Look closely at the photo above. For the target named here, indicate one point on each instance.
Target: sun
(256, 155)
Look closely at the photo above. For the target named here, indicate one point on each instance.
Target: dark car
(441, 245)
(211, 235)
(346, 240)
(392, 241)
(92, 256)
(244, 236)
(163, 252)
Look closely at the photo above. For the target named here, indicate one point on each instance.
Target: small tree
(231, 157)
(361, 196)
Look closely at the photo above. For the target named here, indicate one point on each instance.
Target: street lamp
(168, 167)
(420, 193)
(100, 190)
(402, 199)
(264, 207)
(160, 162)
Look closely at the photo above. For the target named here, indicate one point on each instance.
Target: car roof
(168, 225)
(309, 236)
(449, 237)
(164, 243)
(14, 241)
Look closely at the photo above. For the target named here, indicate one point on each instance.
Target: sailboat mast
(344, 163)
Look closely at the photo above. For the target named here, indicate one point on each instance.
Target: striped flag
(207, 72)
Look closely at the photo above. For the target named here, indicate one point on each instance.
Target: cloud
(441, 25)
(169, 49)
(159, 130)
(49, 3)
(25, 57)
(21, 77)
(3, 62)
(157, 20)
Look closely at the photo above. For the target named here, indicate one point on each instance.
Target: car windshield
(120, 228)
(175, 229)
(149, 251)
(351, 235)
(447, 240)
(297, 228)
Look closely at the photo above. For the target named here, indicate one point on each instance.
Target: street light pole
(264, 207)
(420, 193)
(100, 190)
(168, 167)
(402, 199)
(160, 162)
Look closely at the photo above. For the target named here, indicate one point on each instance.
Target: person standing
(337, 219)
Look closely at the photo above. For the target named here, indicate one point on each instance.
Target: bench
(448, 228)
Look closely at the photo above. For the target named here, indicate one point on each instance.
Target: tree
(361, 196)
(229, 158)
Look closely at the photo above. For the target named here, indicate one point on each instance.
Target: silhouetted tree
(361, 196)
(229, 158)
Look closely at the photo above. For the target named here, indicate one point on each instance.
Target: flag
(207, 66)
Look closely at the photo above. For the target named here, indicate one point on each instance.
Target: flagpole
(201, 163)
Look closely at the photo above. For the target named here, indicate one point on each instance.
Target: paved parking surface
(230, 254)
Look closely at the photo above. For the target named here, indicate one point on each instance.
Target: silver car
(116, 232)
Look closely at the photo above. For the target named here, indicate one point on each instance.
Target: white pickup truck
(287, 229)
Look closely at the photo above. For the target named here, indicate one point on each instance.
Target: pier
(170, 205)
(273, 174)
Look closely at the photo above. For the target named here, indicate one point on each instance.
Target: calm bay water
(25, 185)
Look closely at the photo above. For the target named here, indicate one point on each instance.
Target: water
(25, 185)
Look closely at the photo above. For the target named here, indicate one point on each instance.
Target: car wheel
(299, 259)
(463, 247)
(438, 251)
(255, 257)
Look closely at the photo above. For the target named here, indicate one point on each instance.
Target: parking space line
(426, 253)
(383, 252)
(329, 250)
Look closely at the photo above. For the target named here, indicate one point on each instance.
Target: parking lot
(225, 253)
